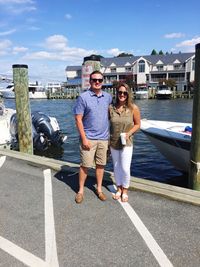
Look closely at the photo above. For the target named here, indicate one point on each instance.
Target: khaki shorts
(96, 155)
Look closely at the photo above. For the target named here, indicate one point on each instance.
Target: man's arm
(79, 123)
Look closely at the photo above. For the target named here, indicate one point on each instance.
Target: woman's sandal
(124, 197)
(117, 195)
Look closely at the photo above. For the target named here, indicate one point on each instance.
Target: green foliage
(161, 52)
(96, 55)
(153, 52)
(125, 55)
(170, 82)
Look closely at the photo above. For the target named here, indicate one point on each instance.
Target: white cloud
(7, 32)
(17, 50)
(174, 35)
(5, 44)
(114, 52)
(189, 43)
(18, 6)
(16, 2)
(68, 16)
(56, 42)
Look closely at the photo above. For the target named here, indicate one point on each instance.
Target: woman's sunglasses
(122, 93)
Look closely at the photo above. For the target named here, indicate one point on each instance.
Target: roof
(76, 81)
(121, 61)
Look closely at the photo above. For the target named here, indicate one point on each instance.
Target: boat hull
(163, 95)
(9, 94)
(171, 140)
(5, 136)
(178, 156)
(141, 96)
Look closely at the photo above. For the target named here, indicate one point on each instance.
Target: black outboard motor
(40, 143)
(42, 124)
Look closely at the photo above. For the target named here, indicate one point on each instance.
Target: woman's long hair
(129, 101)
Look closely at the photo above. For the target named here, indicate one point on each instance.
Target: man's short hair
(96, 72)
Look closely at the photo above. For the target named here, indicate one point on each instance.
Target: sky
(49, 35)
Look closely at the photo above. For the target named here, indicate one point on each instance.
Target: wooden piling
(194, 172)
(20, 78)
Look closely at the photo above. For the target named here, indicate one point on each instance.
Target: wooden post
(194, 173)
(20, 78)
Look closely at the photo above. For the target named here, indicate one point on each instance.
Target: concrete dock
(41, 225)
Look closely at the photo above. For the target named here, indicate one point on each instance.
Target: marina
(147, 162)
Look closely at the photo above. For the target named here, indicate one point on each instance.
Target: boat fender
(188, 129)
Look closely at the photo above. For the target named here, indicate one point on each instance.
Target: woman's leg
(126, 157)
(117, 166)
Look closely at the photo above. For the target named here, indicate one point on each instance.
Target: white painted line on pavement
(22, 255)
(144, 232)
(2, 160)
(50, 236)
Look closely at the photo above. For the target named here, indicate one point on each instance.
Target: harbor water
(147, 162)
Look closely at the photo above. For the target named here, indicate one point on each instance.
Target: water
(147, 162)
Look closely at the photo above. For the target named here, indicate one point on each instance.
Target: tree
(170, 82)
(125, 55)
(153, 52)
(96, 55)
(161, 52)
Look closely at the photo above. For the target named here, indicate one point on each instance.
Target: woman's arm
(136, 120)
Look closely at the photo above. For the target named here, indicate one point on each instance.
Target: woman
(124, 118)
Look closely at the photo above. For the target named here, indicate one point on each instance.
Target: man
(91, 115)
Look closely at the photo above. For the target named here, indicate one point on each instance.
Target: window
(177, 66)
(128, 69)
(112, 70)
(160, 67)
(141, 66)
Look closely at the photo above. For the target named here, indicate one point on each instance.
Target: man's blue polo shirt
(95, 114)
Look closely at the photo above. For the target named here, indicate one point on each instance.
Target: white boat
(142, 93)
(163, 92)
(5, 115)
(172, 139)
(36, 91)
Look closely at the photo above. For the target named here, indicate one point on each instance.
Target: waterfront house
(148, 70)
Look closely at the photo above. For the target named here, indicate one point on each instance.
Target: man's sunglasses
(122, 93)
(97, 80)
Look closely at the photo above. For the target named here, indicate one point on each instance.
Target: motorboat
(172, 139)
(142, 93)
(163, 92)
(45, 132)
(36, 91)
(5, 115)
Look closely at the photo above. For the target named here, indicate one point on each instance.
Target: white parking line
(50, 237)
(22, 255)
(145, 234)
(2, 160)
(51, 259)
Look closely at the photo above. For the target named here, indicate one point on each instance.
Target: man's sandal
(117, 195)
(124, 197)
(101, 196)
(79, 198)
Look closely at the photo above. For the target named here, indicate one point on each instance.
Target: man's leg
(99, 177)
(82, 177)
